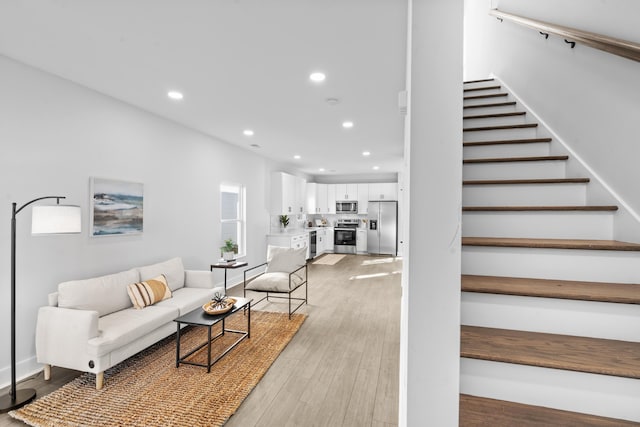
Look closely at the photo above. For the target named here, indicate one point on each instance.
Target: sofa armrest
(199, 279)
(62, 335)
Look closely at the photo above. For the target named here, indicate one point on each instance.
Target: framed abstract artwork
(116, 207)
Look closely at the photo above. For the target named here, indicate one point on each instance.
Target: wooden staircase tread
(491, 95)
(623, 293)
(497, 104)
(510, 242)
(506, 141)
(475, 89)
(478, 81)
(516, 159)
(483, 411)
(501, 127)
(563, 208)
(496, 115)
(567, 352)
(525, 181)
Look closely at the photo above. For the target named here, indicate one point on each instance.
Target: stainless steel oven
(344, 236)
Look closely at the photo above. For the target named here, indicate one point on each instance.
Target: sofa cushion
(149, 292)
(172, 269)
(274, 282)
(285, 260)
(187, 299)
(125, 326)
(105, 294)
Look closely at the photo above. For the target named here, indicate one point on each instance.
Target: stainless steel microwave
(347, 207)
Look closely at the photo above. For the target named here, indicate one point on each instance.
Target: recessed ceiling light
(321, 169)
(317, 77)
(175, 95)
(332, 101)
(297, 157)
(366, 153)
(347, 125)
(375, 168)
(248, 132)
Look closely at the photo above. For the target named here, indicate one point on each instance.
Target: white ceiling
(240, 64)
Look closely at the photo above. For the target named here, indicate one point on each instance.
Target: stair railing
(612, 45)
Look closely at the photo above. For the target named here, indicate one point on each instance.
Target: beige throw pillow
(149, 292)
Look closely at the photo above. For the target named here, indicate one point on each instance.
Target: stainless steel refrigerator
(382, 228)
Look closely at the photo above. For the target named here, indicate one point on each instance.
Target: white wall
(430, 341)
(54, 136)
(589, 98)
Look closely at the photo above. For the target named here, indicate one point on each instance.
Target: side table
(226, 266)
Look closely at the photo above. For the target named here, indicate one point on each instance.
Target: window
(232, 215)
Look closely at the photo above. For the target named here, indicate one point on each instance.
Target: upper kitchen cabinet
(363, 198)
(383, 191)
(346, 192)
(313, 205)
(331, 199)
(288, 194)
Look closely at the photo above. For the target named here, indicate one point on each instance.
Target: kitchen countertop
(295, 231)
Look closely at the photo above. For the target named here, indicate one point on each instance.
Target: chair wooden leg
(99, 380)
(47, 372)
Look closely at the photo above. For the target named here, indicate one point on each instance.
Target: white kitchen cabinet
(295, 241)
(363, 198)
(321, 241)
(383, 191)
(328, 243)
(312, 198)
(321, 194)
(300, 195)
(331, 199)
(346, 191)
(361, 240)
(288, 194)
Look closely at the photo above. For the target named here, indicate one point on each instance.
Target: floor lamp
(53, 219)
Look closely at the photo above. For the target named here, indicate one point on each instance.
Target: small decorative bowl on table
(214, 307)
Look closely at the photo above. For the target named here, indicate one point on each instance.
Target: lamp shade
(56, 219)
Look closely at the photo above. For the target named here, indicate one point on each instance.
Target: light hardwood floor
(341, 369)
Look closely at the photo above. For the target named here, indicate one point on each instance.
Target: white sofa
(91, 325)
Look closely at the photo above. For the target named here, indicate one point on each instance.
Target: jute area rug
(329, 259)
(148, 390)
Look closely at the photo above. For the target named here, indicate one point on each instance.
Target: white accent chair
(285, 272)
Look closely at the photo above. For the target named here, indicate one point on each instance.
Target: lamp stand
(16, 398)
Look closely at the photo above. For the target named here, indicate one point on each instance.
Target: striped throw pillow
(149, 292)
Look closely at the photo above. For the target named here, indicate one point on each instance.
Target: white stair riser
(490, 110)
(602, 395)
(556, 225)
(563, 264)
(493, 121)
(514, 170)
(506, 150)
(499, 134)
(550, 315)
(484, 91)
(524, 195)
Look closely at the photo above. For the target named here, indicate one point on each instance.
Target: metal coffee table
(198, 317)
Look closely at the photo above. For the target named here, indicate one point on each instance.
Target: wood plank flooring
(341, 369)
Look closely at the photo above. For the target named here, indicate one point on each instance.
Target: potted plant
(284, 220)
(229, 250)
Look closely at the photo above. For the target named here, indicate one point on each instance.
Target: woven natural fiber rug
(148, 390)
(329, 259)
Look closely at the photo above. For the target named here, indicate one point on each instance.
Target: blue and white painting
(116, 207)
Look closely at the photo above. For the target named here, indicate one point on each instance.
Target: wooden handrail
(612, 45)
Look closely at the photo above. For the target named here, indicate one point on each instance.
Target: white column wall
(430, 344)
(54, 136)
